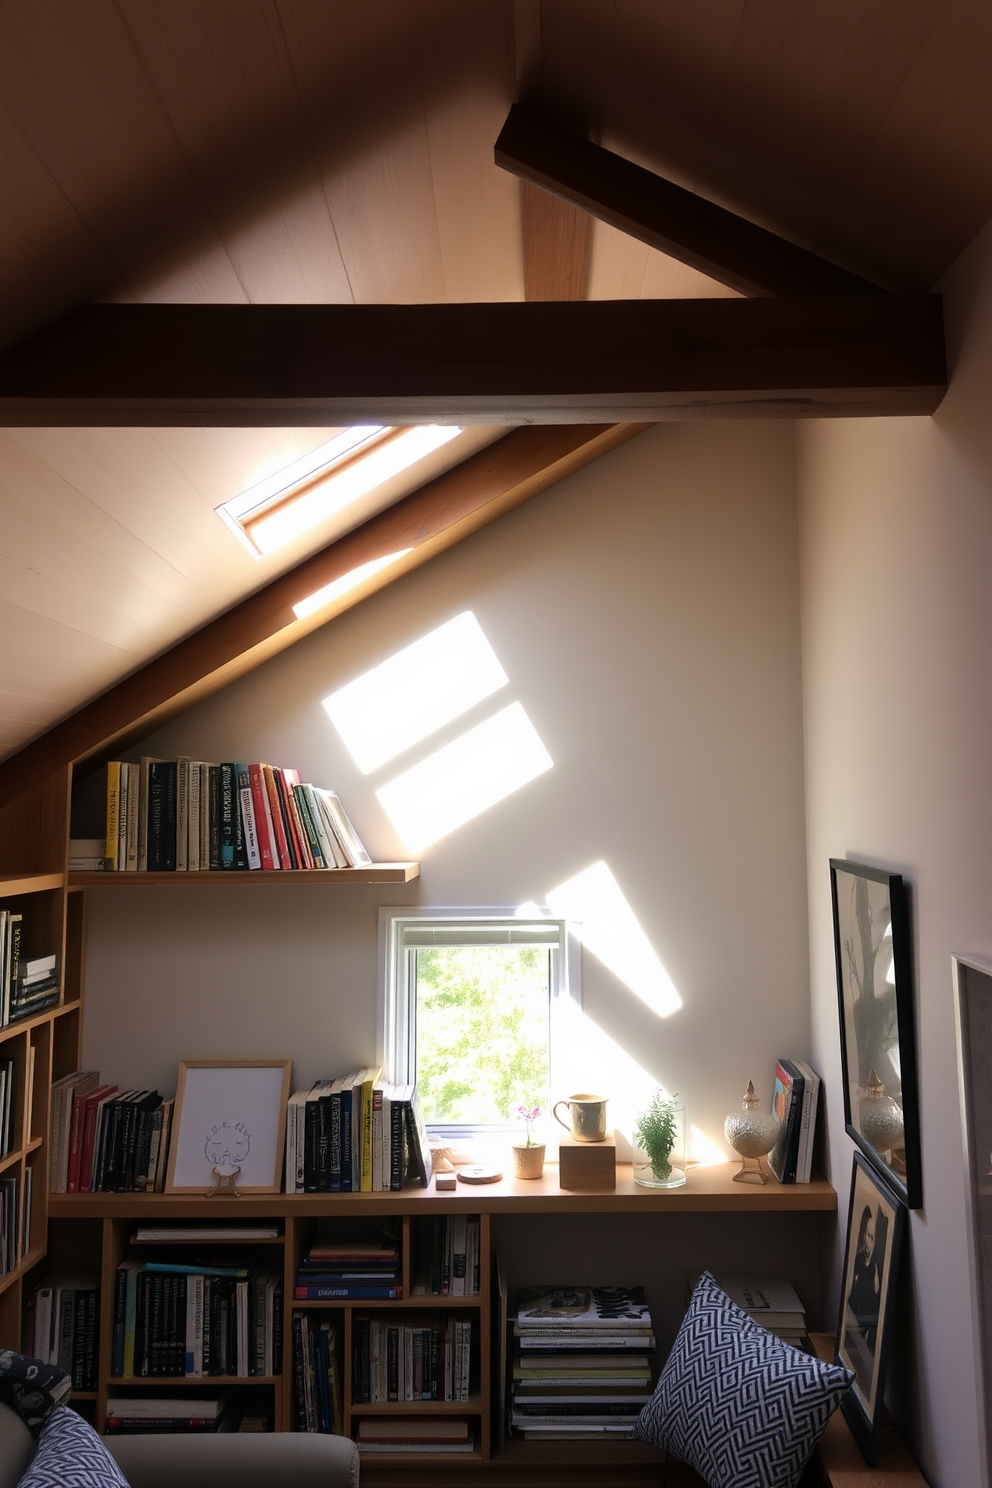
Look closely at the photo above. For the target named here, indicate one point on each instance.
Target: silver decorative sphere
(880, 1117)
(751, 1132)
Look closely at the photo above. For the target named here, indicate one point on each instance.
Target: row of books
(15, 1227)
(192, 1318)
(450, 1257)
(105, 1140)
(317, 1374)
(61, 1323)
(28, 985)
(581, 1368)
(188, 815)
(771, 1301)
(795, 1097)
(227, 1410)
(361, 1269)
(353, 1134)
(425, 1357)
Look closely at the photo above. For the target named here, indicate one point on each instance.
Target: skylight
(327, 480)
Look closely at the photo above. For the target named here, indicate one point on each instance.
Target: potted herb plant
(528, 1156)
(659, 1142)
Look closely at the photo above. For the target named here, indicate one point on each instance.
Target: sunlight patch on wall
(607, 926)
(708, 1153)
(597, 1063)
(346, 583)
(459, 781)
(415, 692)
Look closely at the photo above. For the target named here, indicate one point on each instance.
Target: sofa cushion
(71, 1455)
(738, 1404)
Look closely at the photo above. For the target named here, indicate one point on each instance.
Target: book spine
(238, 822)
(214, 824)
(248, 822)
(289, 835)
(193, 851)
(396, 1124)
(226, 785)
(313, 838)
(263, 827)
(334, 1141)
(355, 1294)
(182, 814)
(346, 1136)
(113, 815)
(291, 781)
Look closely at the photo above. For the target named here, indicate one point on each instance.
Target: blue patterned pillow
(735, 1402)
(71, 1455)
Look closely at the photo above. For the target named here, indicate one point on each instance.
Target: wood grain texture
(555, 363)
(449, 508)
(697, 232)
(843, 1463)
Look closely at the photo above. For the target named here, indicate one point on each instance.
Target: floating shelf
(29, 883)
(371, 873)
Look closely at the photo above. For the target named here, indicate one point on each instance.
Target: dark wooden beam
(442, 513)
(728, 248)
(608, 361)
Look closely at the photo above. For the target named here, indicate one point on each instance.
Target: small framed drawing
(877, 1042)
(875, 1224)
(230, 1124)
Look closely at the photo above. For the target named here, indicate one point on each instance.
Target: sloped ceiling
(262, 151)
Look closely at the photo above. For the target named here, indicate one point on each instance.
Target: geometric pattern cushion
(31, 1388)
(71, 1455)
(742, 1407)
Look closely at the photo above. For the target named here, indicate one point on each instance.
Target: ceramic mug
(587, 1117)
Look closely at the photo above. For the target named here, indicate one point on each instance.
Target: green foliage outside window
(482, 1031)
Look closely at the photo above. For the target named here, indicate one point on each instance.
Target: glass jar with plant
(659, 1142)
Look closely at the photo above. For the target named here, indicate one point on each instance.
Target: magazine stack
(581, 1368)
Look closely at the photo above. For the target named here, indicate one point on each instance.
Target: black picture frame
(877, 1030)
(876, 1222)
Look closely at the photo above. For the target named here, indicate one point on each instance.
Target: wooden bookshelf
(372, 873)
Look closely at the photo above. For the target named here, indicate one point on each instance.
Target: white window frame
(395, 1030)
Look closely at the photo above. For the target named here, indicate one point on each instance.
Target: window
(470, 1011)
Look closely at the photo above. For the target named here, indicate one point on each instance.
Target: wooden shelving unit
(372, 873)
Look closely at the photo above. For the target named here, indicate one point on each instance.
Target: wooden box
(584, 1165)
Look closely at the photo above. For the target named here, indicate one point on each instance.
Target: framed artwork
(877, 1040)
(875, 1223)
(230, 1121)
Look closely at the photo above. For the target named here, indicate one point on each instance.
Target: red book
(76, 1131)
(260, 803)
(269, 776)
(89, 1134)
(291, 778)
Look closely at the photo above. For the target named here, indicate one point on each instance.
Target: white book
(339, 857)
(193, 833)
(133, 817)
(250, 829)
(811, 1094)
(294, 1113)
(343, 829)
(182, 813)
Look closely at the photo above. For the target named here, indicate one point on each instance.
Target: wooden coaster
(479, 1174)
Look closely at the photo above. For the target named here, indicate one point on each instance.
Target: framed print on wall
(875, 1222)
(230, 1117)
(877, 1039)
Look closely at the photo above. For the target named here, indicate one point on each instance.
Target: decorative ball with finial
(880, 1116)
(752, 1133)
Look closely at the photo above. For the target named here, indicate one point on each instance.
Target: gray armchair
(228, 1460)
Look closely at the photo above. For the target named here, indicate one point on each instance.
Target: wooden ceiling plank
(665, 216)
(502, 363)
(473, 494)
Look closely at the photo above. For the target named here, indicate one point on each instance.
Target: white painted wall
(896, 558)
(646, 611)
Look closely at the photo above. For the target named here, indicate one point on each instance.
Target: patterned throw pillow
(31, 1388)
(71, 1455)
(735, 1402)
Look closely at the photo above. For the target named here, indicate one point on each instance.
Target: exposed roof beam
(729, 248)
(449, 508)
(606, 361)
(557, 246)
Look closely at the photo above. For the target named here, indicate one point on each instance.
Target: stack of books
(86, 854)
(795, 1097)
(188, 816)
(770, 1301)
(365, 1270)
(317, 1374)
(427, 1356)
(28, 985)
(414, 1434)
(105, 1140)
(197, 1317)
(60, 1327)
(581, 1368)
(355, 1134)
(202, 1414)
(448, 1260)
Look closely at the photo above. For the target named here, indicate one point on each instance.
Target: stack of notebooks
(28, 985)
(770, 1301)
(60, 1327)
(105, 1140)
(317, 1374)
(448, 1257)
(427, 1356)
(200, 1414)
(355, 1134)
(581, 1367)
(414, 1434)
(795, 1097)
(190, 816)
(365, 1270)
(197, 1318)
